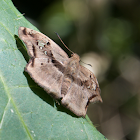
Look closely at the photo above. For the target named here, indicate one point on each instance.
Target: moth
(61, 77)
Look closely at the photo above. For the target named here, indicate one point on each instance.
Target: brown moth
(61, 77)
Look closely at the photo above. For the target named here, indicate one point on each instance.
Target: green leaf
(26, 111)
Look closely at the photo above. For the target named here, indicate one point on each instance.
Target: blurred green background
(106, 34)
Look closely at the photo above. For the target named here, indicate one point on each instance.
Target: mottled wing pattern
(85, 87)
(36, 42)
(90, 84)
(76, 105)
(80, 87)
(47, 61)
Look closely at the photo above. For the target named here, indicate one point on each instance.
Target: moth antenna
(63, 42)
(86, 63)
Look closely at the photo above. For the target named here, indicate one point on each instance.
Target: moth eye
(41, 63)
(90, 76)
(45, 52)
(48, 43)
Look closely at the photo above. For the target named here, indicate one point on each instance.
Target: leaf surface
(26, 111)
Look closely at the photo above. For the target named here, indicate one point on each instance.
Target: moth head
(75, 56)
